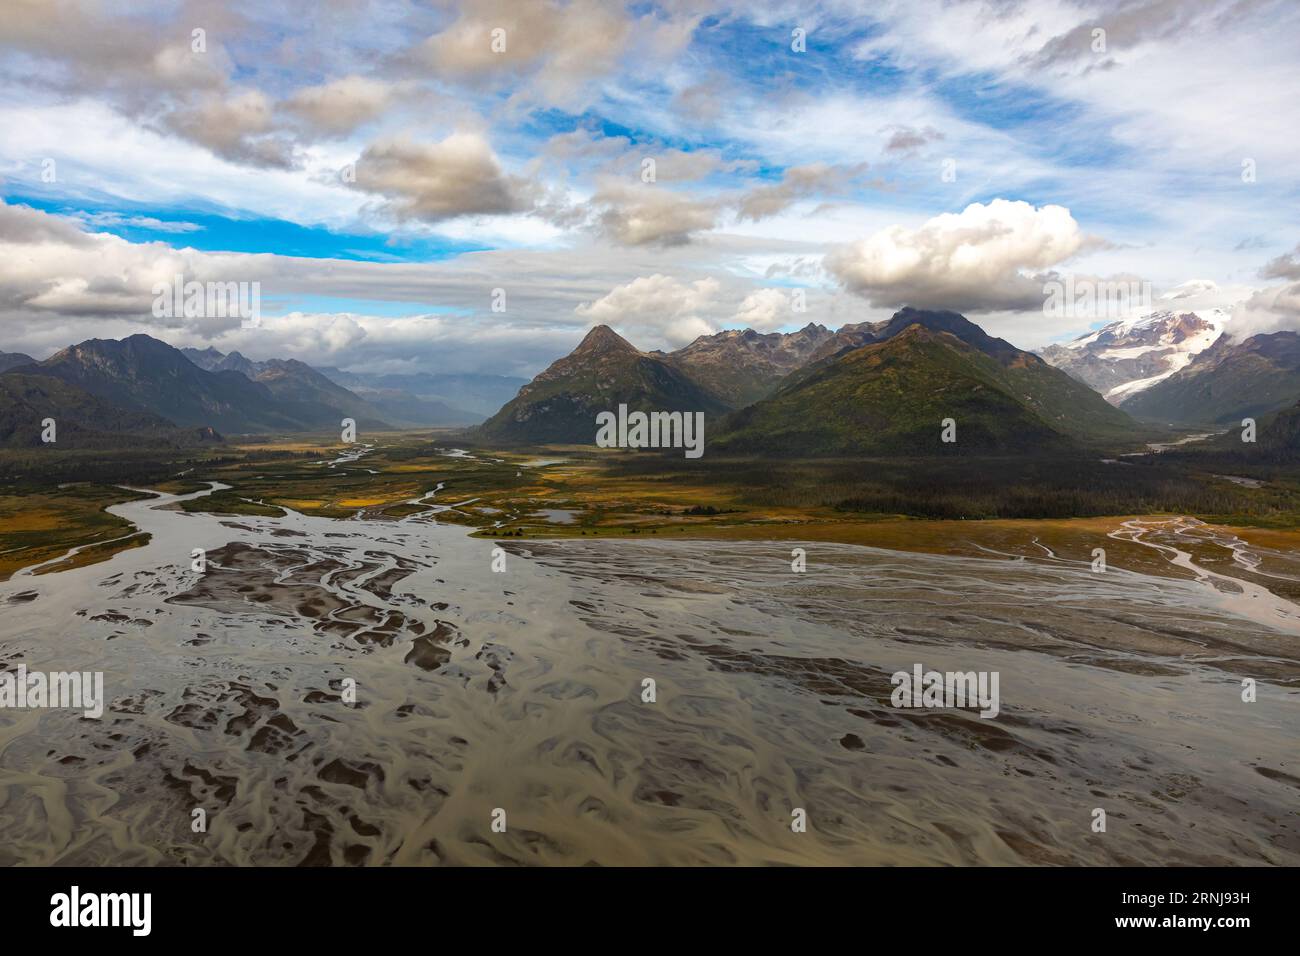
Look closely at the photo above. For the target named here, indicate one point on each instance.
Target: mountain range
(740, 366)
(876, 388)
(1122, 359)
(1227, 382)
(890, 395)
(138, 389)
(871, 388)
(143, 374)
(1185, 368)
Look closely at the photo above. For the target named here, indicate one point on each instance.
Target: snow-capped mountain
(1125, 357)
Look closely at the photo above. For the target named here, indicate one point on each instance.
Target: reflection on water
(522, 691)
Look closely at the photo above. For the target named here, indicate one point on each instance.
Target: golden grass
(37, 527)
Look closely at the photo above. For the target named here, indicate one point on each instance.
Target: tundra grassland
(1014, 506)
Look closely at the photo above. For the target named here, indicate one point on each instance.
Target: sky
(469, 187)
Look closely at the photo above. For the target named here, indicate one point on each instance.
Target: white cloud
(1275, 309)
(986, 257)
(657, 308)
(765, 310)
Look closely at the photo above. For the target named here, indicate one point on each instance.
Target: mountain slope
(605, 370)
(1226, 383)
(304, 392)
(10, 360)
(740, 366)
(845, 339)
(1124, 358)
(81, 419)
(890, 396)
(312, 397)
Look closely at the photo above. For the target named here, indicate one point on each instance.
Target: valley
(391, 640)
(348, 681)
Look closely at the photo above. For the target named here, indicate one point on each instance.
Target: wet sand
(521, 691)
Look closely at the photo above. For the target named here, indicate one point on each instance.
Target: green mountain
(81, 420)
(889, 397)
(1226, 383)
(1277, 432)
(560, 405)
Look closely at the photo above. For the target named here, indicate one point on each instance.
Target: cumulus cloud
(1275, 309)
(657, 309)
(460, 176)
(647, 214)
(238, 127)
(765, 310)
(985, 258)
(340, 106)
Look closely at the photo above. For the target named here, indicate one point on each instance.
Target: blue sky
(380, 170)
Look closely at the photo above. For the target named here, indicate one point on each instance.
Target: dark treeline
(1004, 487)
(45, 467)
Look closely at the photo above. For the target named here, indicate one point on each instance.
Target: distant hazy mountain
(1124, 358)
(10, 360)
(81, 419)
(142, 373)
(212, 360)
(605, 370)
(302, 391)
(742, 366)
(1227, 382)
(433, 397)
(891, 395)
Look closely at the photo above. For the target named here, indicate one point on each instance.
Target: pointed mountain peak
(930, 318)
(603, 339)
(942, 320)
